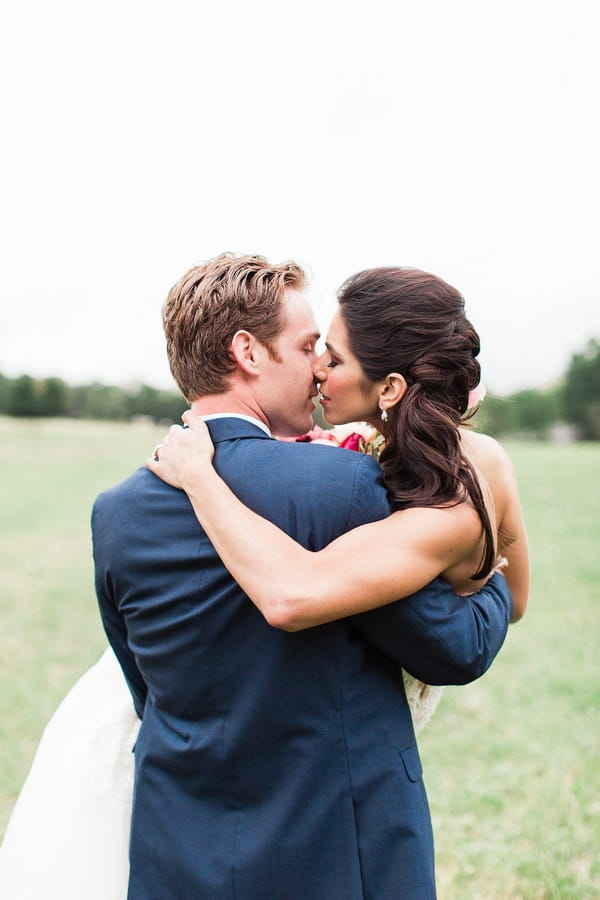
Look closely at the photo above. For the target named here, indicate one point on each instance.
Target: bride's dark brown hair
(407, 321)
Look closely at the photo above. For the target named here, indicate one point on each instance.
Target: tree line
(28, 397)
(572, 404)
(569, 407)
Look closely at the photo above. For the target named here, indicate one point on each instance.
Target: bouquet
(355, 436)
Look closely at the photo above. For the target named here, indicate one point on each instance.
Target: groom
(269, 765)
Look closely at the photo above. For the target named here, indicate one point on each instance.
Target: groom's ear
(392, 390)
(244, 348)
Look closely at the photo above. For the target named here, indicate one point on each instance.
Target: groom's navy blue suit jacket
(270, 765)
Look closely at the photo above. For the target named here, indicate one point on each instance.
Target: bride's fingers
(163, 462)
(152, 463)
(181, 450)
(191, 420)
(198, 434)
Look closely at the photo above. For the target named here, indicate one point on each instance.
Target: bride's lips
(324, 398)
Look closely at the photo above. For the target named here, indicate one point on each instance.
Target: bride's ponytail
(411, 322)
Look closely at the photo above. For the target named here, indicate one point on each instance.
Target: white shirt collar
(250, 419)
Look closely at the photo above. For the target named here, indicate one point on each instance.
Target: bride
(405, 367)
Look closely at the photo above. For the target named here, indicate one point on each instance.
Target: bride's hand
(184, 454)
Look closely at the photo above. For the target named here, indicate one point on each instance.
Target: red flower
(352, 442)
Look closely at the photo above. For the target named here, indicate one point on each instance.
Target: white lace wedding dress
(68, 835)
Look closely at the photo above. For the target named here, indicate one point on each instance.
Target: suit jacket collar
(230, 428)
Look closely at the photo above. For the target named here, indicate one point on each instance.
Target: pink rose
(476, 396)
(352, 442)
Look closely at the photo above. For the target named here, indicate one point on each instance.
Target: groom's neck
(227, 403)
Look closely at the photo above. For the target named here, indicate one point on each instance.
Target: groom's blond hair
(213, 301)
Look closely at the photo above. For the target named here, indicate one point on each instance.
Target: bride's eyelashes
(332, 363)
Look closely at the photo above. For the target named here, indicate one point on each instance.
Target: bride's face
(347, 395)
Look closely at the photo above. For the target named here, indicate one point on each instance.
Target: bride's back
(494, 464)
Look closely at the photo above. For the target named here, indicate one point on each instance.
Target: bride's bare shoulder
(496, 467)
(484, 451)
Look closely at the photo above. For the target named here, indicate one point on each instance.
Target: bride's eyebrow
(331, 348)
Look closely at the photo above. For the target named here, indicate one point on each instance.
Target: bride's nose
(320, 369)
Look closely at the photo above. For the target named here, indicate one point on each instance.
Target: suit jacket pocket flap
(412, 762)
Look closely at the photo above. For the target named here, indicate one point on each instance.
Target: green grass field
(512, 762)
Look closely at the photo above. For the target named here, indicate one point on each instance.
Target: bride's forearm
(282, 578)
(291, 586)
(295, 588)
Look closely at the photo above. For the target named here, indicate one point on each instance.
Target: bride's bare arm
(368, 567)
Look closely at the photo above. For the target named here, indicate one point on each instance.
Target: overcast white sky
(141, 137)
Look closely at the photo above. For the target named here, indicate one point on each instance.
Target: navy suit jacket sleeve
(114, 624)
(438, 636)
(441, 637)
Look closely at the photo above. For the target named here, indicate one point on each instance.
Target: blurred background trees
(569, 408)
(27, 397)
(581, 392)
